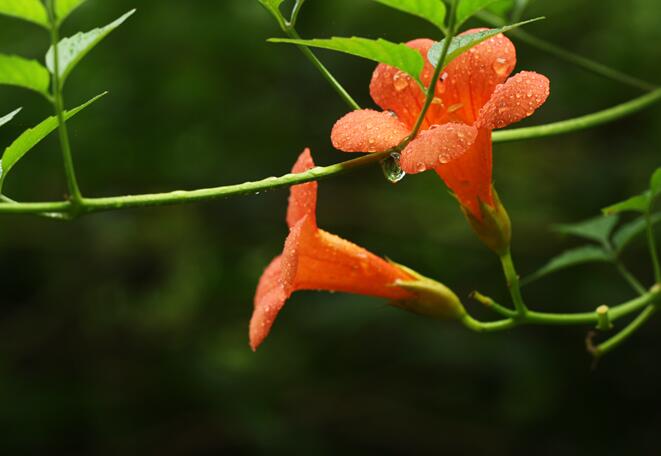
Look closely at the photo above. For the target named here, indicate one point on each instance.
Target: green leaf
(65, 7)
(20, 72)
(430, 10)
(573, 257)
(72, 50)
(29, 10)
(655, 183)
(31, 137)
(467, 8)
(462, 43)
(596, 229)
(638, 203)
(273, 6)
(631, 230)
(395, 54)
(9, 117)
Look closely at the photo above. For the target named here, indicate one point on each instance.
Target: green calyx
(432, 298)
(495, 228)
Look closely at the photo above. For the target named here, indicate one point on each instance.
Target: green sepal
(432, 298)
(495, 228)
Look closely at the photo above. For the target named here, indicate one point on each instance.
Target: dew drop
(392, 169)
(444, 158)
(419, 167)
(436, 100)
(500, 66)
(400, 81)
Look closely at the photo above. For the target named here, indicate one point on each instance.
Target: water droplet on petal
(436, 100)
(391, 168)
(443, 159)
(500, 66)
(400, 81)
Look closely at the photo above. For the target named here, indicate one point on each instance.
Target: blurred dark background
(126, 332)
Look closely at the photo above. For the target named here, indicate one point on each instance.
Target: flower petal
(316, 260)
(469, 80)
(514, 100)
(269, 299)
(302, 197)
(469, 175)
(368, 131)
(465, 85)
(394, 90)
(437, 145)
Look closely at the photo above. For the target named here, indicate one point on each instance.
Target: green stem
(65, 145)
(181, 197)
(204, 194)
(487, 326)
(51, 215)
(490, 303)
(513, 284)
(294, 13)
(578, 60)
(578, 123)
(628, 330)
(651, 242)
(651, 298)
(291, 32)
(431, 90)
(629, 277)
(584, 318)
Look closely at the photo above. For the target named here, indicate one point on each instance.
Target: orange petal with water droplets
(470, 79)
(438, 145)
(269, 299)
(313, 259)
(367, 131)
(302, 197)
(394, 90)
(514, 100)
(469, 175)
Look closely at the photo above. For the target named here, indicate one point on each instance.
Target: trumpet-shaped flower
(314, 259)
(472, 97)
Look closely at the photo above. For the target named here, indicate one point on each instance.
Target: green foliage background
(126, 332)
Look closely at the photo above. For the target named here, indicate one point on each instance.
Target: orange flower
(314, 259)
(473, 97)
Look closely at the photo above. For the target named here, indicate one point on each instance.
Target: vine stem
(431, 90)
(578, 123)
(651, 298)
(58, 101)
(89, 205)
(628, 330)
(651, 242)
(629, 277)
(513, 284)
(342, 92)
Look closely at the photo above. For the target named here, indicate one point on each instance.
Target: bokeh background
(126, 332)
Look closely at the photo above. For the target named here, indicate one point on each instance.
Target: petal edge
(439, 145)
(514, 100)
(367, 131)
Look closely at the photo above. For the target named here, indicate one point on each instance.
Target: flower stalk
(58, 101)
